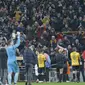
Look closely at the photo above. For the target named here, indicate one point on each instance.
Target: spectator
(53, 42)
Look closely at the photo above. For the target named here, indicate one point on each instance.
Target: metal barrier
(53, 75)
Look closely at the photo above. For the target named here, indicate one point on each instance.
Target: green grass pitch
(55, 83)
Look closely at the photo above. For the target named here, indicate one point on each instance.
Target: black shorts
(41, 70)
(75, 68)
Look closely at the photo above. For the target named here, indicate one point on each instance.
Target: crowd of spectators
(44, 23)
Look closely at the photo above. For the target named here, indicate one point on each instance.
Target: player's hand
(18, 33)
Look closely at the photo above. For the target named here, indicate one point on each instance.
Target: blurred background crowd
(40, 20)
(44, 24)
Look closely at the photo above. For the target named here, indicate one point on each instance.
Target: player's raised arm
(18, 40)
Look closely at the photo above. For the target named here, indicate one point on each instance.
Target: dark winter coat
(29, 57)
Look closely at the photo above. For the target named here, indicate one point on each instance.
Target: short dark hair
(74, 49)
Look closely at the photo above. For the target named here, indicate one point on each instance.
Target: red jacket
(83, 54)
